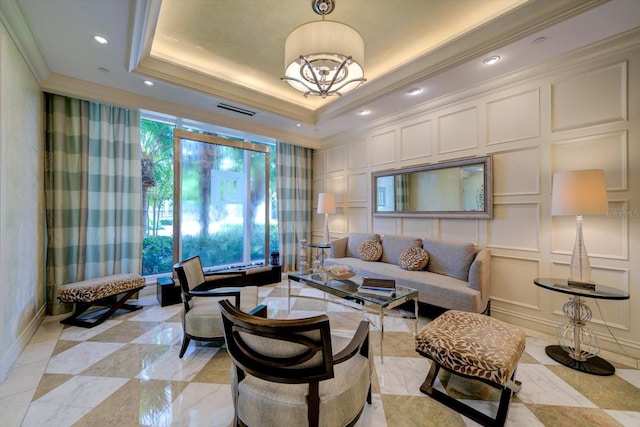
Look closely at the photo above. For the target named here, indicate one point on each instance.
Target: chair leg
(185, 344)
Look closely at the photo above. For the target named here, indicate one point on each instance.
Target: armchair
(200, 315)
(285, 373)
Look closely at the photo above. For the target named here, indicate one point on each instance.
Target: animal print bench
(110, 292)
(474, 346)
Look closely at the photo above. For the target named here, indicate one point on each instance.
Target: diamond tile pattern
(126, 372)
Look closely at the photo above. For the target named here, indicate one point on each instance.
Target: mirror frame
(487, 213)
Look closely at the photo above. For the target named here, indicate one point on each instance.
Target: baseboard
(19, 345)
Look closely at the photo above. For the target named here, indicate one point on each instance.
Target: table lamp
(579, 192)
(326, 206)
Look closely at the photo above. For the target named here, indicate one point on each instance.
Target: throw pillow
(370, 250)
(414, 259)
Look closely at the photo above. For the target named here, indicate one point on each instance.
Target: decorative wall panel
(336, 159)
(605, 236)
(512, 281)
(415, 140)
(605, 151)
(516, 172)
(589, 99)
(319, 158)
(417, 227)
(458, 131)
(506, 230)
(383, 148)
(357, 154)
(459, 230)
(357, 220)
(514, 118)
(358, 188)
(336, 184)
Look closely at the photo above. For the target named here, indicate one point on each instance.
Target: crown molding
(599, 52)
(523, 21)
(13, 19)
(68, 86)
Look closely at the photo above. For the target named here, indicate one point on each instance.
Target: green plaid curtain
(93, 193)
(295, 194)
(402, 192)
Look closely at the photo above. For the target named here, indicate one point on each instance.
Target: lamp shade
(324, 58)
(579, 192)
(326, 203)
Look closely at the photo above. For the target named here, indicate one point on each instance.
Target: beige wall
(21, 204)
(581, 111)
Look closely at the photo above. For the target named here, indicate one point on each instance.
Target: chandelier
(324, 58)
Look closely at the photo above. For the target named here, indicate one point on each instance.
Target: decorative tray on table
(339, 272)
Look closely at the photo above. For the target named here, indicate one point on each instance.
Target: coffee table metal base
(381, 311)
(594, 365)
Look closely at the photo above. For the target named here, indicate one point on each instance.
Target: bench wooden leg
(458, 406)
(97, 317)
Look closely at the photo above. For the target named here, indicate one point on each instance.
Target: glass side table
(578, 347)
(320, 253)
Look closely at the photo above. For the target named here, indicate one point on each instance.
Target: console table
(578, 347)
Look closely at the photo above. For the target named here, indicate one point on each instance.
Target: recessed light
(103, 70)
(539, 40)
(298, 124)
(414, 91)
(101, 40)
(364, 112)
(148, 82)
(491, 60)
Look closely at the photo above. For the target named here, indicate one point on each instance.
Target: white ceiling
(203, 52)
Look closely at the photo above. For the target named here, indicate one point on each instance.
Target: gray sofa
(456, 277)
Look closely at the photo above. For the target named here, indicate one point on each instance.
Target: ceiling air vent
(235, 109)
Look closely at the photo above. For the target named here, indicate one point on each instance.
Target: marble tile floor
(126, 372)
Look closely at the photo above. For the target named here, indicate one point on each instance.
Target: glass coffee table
(347, 290)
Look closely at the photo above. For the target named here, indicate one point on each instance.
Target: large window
(220, 203)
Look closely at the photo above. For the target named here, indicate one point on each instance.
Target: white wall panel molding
(337, 185)
(424, 228)
(357, 220)
(606, 151)
(506, 230)
(512, 281)
(458, 130)
(383, 148)
(613, 313)
(357, 188)
(357, 154)
(459, 230)
(336, 159)
(337, 222)
(590, 98)
(514, 118)
(516, 172)
(605, 236)
(416, 140)
(319, 160)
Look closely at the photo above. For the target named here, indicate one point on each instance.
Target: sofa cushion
(355, 240)
(449, 258)
(414, 259)
(370, 250)
(393, 246)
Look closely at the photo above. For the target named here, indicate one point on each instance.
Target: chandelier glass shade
(324, 58)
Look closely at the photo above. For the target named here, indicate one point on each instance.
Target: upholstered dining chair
(285, 372)
(200, 315)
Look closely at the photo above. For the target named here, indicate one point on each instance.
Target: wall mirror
(453, 189)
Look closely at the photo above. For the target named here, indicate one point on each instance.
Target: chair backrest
(190, 273)
(291, 351)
